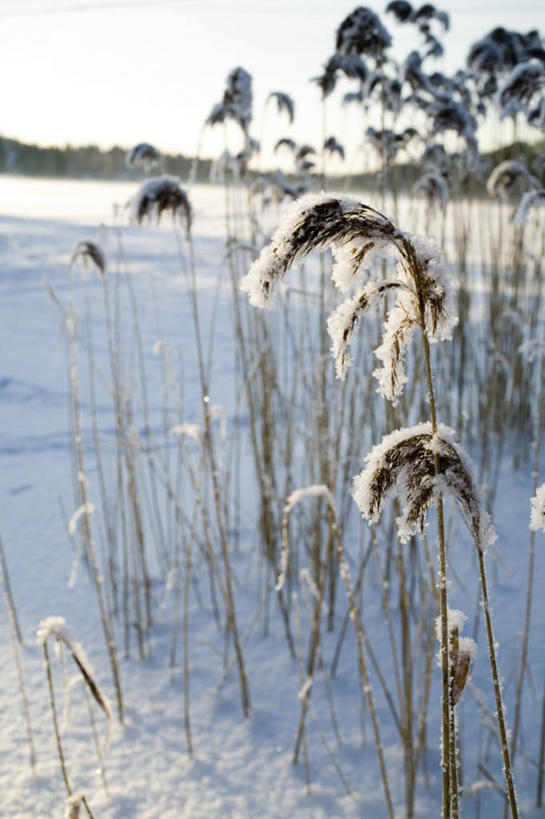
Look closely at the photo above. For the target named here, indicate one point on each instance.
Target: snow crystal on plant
(84, 509)
(399, 329)
(316, 490)
(455, 619)
(529, 200)
(467, 646)
(341, 324)
(537, 512)
(401, 465)
(191, 430)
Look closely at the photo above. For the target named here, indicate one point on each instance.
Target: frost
(403, 465)
(537, 511)
(191, 430)
(84, 509)
(529, 200)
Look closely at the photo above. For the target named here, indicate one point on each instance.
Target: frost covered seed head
(507, 177)
(143, 156)
(362, 33)
(317, 221)
(160, 194)
(523, 86)
(530, 200)
(284, 103)
(90, 252)
(403, 465)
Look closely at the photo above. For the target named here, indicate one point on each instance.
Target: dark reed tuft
(143, 156)
(362, 33)
(284, 103)
(159, 195)
(90, 252)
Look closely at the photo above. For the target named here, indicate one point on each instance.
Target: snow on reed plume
(143, 157)
(72, 806)
(56, 627)
(462, 652)
(284, 103)
(298, 495)
(89, 252)
(353, 229)
(433, 187)
(159, 195)
(506, 176)
(537, 510)
(523, 86)
(529, 200)
(402, 465)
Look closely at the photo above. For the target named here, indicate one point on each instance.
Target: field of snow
(241, 767)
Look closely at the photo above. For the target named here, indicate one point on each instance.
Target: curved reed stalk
(320, 491)
(353, 229)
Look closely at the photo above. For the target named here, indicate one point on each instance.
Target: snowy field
(241, 767)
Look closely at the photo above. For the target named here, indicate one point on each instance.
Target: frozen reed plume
(353, 229)
(56, 627)
(313, 491)
(362, 33)
(143, 157)
(402, 465)
(433, 187)
(237, 101)
(161, 194)
(529, 200)
(284, 103)
(507, 177)
(334, 147)
(89, 252)
(522, 89)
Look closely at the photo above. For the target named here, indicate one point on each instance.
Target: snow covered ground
(242, 768)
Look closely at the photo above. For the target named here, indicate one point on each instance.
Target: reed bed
(188, 484)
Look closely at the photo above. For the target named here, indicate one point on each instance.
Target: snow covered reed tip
(56, 627)
(143, 157)
(89, 252)
(537, 510)
(317, 221)
(529, 200)
(403, 465)
(298, 495)
(160, 194)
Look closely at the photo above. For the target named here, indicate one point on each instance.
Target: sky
(126, 71)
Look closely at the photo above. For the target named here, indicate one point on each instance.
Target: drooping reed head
(316, 221)
(143, 157)
(90, 252)
(284, 103)
(531, 199)
(362, 32)
(236, 103)
(508, 178)
(159, 195)
(353, 229)
(523, 86)
(433, 187)
(403, 465)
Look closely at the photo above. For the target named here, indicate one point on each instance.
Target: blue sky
(115, 71)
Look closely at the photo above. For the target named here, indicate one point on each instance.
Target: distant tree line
(83, 162)
(91, 162)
